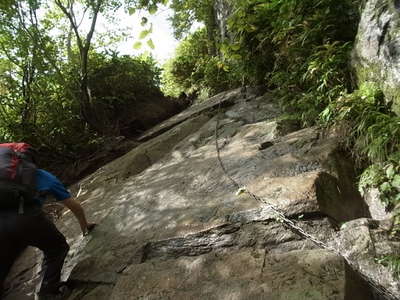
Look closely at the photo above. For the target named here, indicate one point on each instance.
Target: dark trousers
(19, 231)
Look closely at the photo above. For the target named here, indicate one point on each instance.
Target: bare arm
(79, 213)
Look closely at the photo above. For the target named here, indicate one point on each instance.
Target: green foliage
(391, 261)
(170, 86)
(118, 85)
(42, 68)
(372, 133)
(178, 71)
(187, 12)
(373, 129)
(299, 47)
(386, 177)
(34, 102)
(193, 71)
(123, 78)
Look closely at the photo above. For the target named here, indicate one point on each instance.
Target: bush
(372, 132)
(193, 72)
(119, 85)
(297, 47)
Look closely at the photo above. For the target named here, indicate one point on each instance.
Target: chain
(280, 216)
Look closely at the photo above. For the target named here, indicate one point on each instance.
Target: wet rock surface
(171, 225)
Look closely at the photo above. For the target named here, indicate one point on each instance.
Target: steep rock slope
(171, 225)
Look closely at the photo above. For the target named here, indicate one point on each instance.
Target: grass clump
(391, 261)
(372, 133)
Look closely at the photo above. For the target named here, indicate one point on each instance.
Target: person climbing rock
(23, 223)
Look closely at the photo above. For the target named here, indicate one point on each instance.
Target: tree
(27, 57)
(187, 12)
(51, 86)
(93, 9)
(88, 11)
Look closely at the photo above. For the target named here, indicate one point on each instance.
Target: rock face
(171, 225)
(376, 207)
(363, 239)
(376, 55)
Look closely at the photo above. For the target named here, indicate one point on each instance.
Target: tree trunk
(87, 108)
(211, 28)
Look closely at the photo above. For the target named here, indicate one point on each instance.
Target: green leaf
(150, 43)
(143, 34)
(235, 47)
(397, 197)
(131, 10)
(262, 6)
(236, 57)
(137, 45)
(396, 181)
(390, 171)
(152, 9)
(385, 187)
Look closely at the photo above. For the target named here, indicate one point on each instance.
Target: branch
(83, 16)
(93, 25)
(6, 53)
(72, 22)
(71, 11)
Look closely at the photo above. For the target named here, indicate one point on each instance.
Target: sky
(162, 34)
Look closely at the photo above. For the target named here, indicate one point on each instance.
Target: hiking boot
(63, 293)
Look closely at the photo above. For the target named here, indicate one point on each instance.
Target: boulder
(376, 207)
(364, 242)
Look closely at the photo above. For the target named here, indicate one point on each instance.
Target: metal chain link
(280, 216)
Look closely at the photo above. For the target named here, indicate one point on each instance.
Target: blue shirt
(47, 183)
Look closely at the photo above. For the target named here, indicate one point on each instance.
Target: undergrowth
(391, 261)
(372, 133)
(299, 48)
(372, 129)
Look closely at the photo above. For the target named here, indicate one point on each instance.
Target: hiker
(25, 224)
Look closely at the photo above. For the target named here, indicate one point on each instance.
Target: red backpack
(17, 176)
